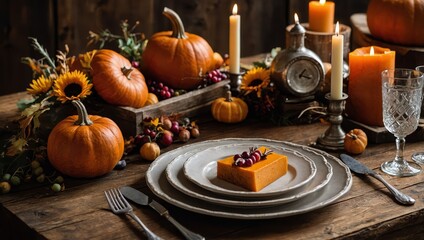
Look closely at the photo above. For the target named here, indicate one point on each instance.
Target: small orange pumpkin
(151, 99)
(85, 145)
(355, 141)
(229, 109)
(150, 151)
(176, 57)
(116, 81)
(397, 21)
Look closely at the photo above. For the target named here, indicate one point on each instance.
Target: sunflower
(71, 86)
(255, 80)
(39, 86)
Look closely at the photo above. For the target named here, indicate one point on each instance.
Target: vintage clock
(297, 71)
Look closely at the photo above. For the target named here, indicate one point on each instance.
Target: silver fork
(119, 205)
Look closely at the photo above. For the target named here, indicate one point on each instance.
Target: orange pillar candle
(321, 16)
(364, 104)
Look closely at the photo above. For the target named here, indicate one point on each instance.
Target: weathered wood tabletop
(81, 211)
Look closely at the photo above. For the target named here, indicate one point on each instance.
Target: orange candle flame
(296, 18)
(322, 2)
(372, 51)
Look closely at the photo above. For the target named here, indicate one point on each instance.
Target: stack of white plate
(186, 177)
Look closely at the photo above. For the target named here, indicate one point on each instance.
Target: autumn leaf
(17, 146)
(155, 122)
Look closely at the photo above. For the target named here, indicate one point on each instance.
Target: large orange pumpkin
(116, 81)
(176, 57)
(84, 145)
(397, 21)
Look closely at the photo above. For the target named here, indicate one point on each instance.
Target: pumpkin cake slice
(253, 176)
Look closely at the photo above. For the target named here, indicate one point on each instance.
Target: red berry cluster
(215, 76)
(160, 90)
(212, 77)
(247, 159)
(165, 131)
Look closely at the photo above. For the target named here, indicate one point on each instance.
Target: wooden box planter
(189, 104)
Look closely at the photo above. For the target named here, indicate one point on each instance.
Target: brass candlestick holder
(235, 82)
(333, 138)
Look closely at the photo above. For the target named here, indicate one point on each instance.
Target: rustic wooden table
(81, 211)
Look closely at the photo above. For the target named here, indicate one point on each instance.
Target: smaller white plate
(201, 170)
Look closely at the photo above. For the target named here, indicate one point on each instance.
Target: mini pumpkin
(355, 141)
(176, 57)
(116, 81)
(150, 151)
(85, 145)
(229, 109)
(397, 21)
(151, 99)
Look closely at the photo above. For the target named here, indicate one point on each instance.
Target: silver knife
(142, 199)
(358, 167)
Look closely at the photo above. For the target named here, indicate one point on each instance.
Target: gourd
(116, 81)
(229, 109)
(397, 21)
(85, 145)
(176, 57)
(355, 141)
(150, 151)
(151, 99)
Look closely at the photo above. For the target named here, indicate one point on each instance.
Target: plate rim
(246, 193)
(254, 203)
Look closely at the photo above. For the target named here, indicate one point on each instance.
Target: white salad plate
(339, 184)
(176, 177)
(201, 169)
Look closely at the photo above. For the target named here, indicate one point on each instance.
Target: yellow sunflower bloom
(71, 86)
(39, 86)
(255, 80)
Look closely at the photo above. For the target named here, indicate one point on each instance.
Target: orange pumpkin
(176, 57)
(84, 145)
(150, 151)
(151, 99)
(229, 109)
(116, 81)
(397, 21)
(355, 141)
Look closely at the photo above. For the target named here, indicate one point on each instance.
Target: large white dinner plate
(201, 169)
(176, 177)
(339, 184)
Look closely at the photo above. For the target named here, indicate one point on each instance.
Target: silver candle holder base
(333, 138)
(235, 82)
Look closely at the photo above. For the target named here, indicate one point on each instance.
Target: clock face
(304, 76)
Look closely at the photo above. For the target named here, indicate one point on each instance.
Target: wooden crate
(189, 104)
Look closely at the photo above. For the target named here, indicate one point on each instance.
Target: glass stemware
(402, 94)
(419, 156)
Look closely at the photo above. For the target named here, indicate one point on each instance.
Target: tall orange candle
(364, 104)
(321, 16)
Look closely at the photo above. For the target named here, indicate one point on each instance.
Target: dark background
(58, 22)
